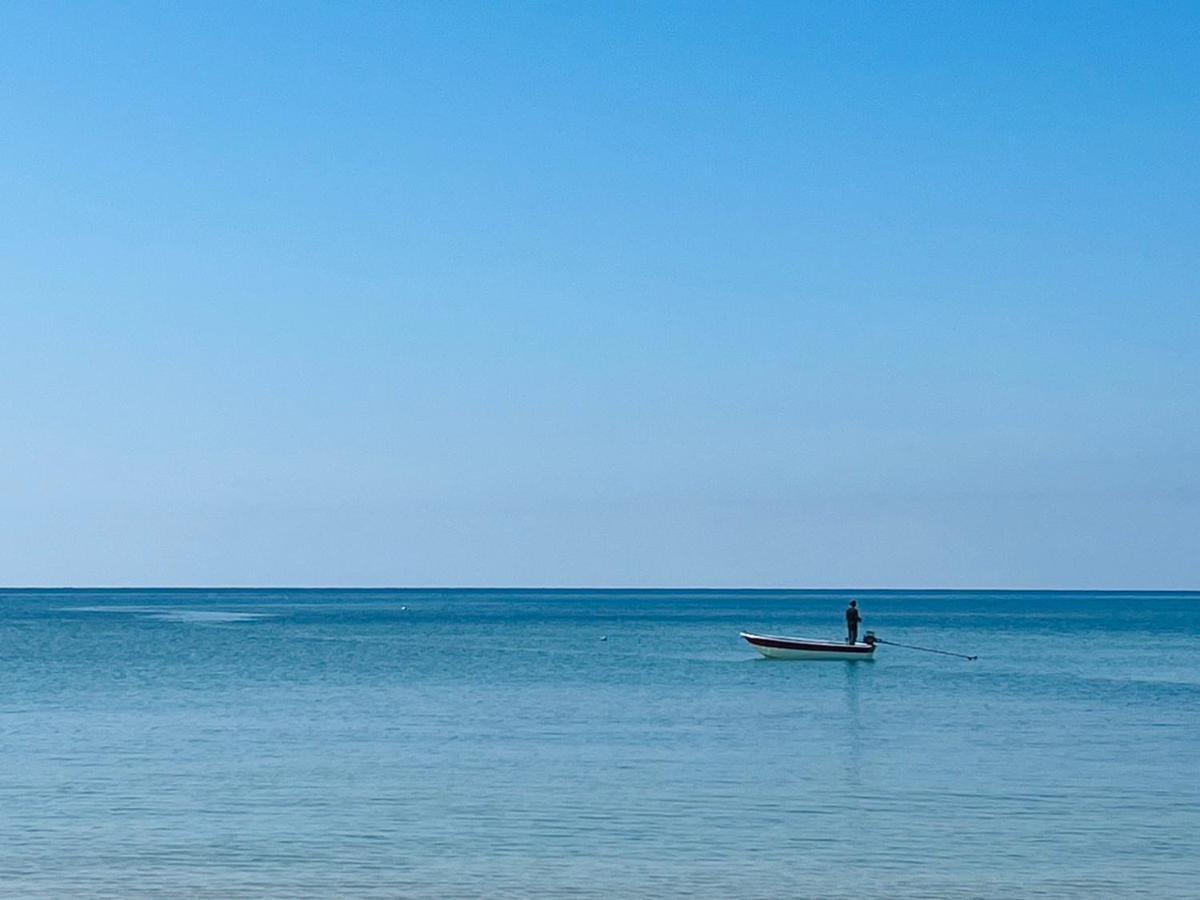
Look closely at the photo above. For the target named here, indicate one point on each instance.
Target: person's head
(854, 603)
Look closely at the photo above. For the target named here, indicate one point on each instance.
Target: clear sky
(736, 294)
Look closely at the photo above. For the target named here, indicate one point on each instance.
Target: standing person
(853, 617)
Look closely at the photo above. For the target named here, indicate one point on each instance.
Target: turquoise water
(430, 744)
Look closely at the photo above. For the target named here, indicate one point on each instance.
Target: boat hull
(776, 647)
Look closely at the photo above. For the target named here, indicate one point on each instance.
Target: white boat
(777, 647)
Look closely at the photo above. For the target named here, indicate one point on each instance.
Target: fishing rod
(924, 649)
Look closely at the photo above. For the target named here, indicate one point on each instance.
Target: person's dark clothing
(853, 617)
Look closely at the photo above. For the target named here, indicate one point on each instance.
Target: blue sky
(600, 294)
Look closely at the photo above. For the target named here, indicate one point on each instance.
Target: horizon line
(595, 589)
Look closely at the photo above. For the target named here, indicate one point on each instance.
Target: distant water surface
(433, 744)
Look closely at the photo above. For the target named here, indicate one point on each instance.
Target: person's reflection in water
(853, 731)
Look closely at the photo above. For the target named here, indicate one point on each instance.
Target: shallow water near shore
(587, 744)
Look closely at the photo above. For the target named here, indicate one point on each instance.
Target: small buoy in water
(403, 609)
(604, 637)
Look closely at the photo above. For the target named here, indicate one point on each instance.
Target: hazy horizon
(596, 589)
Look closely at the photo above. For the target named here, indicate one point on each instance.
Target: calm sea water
(427, 744)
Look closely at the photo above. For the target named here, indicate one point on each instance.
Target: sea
(595, 744)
